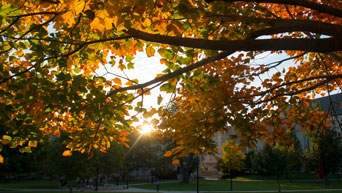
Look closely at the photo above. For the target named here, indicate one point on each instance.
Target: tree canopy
(50, 51)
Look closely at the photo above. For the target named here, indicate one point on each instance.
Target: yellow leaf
(6, 139)
(150, 51)
(32, 143)
(67, 153)
(78, 6)
(175, 162)
(167, 154)
(129, 83)
(96, 25)
(117, 81)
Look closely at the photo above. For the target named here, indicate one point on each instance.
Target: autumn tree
(294, 155)
(51, 51)
(232, 161)
(325, 152)
(271, 161)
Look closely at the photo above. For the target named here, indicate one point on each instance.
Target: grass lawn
(29, 184)
(212, 185)
(162, 192)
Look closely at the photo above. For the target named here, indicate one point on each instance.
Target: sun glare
(146, 129)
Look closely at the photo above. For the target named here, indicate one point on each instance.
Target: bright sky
(145, 69)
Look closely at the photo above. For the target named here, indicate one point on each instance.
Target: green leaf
(129, 58)
(167, 87)
(160, 99)
(77, 69)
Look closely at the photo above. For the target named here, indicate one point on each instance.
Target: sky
(145, 69)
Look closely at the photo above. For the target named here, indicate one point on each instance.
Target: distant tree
(143, 153)
(108, 162)
(17, 163)
(294, 154)
(232, 161)
(325, 152)
(249, 160)
(65, 164)
(271, 162)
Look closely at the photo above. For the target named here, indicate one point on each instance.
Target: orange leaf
(67, 153)
(117, 81)
(125, 133)
(167, 154)
(1, 159)
(175, 162)
(163, 61)
(57, 133)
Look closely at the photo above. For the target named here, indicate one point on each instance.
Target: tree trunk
(185, 175)
(97, 180)
(326, 180)
(278, 180)
(70, 186)
(186, 164)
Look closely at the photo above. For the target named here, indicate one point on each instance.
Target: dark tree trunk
(70, 186)
(326, 180)
(278, 180)
(186, 164)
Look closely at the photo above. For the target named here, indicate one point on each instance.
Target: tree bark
(70, 186)
(326, 180)
(278, 180)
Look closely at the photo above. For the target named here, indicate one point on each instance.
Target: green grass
(294, 176)
(74, 190)
(206, 185)
(29, 184)
(162, 192)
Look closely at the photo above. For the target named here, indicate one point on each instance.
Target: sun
(145, 129)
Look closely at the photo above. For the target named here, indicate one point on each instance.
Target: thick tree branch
(284, 25)
(307, 45)
(304, 3)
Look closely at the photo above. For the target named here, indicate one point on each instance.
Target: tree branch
(284, 25)
(327, 80)
(308, 45)
(304, 3)
(173, 74)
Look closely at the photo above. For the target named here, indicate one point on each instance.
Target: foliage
(325, 152)
(294, 155)
(232, 161)
(109, 162)
(271, 162)
(69, 167)
(51, 51)
(146, 153)
(249, 161)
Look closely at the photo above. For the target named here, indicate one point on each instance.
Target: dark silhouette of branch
(304, 3)
(284, 25)
(307, 45)
(327, 78)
